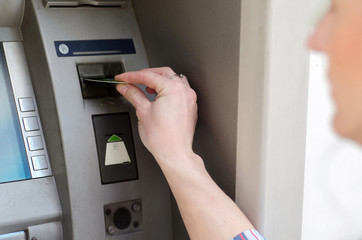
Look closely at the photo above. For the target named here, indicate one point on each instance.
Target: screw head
(136, 224)
(136, 207)
(108, 212)
(111, 230)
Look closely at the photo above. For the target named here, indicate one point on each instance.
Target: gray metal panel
(79, 176)
(28, 203)
(10, 19)
(43, 88)
(11, 13)
(10, 34)
(47, 231)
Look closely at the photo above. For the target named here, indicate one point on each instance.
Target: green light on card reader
(114, 138)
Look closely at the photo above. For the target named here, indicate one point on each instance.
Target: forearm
(167, 127)
(207, 211)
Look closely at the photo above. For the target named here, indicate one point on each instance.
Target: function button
(30, 124)
(35, 143)
(39, 162)
(26, 104)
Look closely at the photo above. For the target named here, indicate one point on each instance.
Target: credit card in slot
(104, 80)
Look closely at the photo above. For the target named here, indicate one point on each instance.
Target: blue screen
(13, 160)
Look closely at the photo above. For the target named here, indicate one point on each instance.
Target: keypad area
(23, 150)
(33, 134)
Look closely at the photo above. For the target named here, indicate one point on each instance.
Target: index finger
(148, 78)
(163, 71)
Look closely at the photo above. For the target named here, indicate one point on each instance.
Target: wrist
(180, 159)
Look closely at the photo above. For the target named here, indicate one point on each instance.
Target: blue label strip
(94, 47)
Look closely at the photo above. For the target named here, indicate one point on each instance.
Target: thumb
(133, 94)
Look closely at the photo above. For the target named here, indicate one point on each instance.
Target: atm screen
(13, 159)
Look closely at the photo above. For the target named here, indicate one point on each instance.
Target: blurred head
(339, 35)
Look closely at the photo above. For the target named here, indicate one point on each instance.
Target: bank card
(103, 80)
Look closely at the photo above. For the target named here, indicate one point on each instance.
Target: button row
(35, 143)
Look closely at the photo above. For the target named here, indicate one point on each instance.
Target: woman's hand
(166, 125)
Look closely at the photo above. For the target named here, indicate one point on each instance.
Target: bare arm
(166, 127)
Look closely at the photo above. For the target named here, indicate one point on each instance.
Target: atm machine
(73, 165)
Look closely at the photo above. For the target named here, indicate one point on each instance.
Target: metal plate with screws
(123, 217)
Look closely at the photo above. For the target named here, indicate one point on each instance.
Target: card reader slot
(77, 3)
(98, 70)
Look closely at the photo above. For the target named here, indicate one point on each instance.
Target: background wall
(247, 62)
(333, 179)
(201, 39)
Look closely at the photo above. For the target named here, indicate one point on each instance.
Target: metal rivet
(108, 212)
(111, 230)
(136, 207)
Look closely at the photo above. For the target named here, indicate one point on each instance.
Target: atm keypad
(33, 137)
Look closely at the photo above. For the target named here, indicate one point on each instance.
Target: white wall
(274, 69)
(333, 169)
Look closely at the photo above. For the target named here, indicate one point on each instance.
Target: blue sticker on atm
(94, 47)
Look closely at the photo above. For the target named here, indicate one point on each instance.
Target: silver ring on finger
(177, 75)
